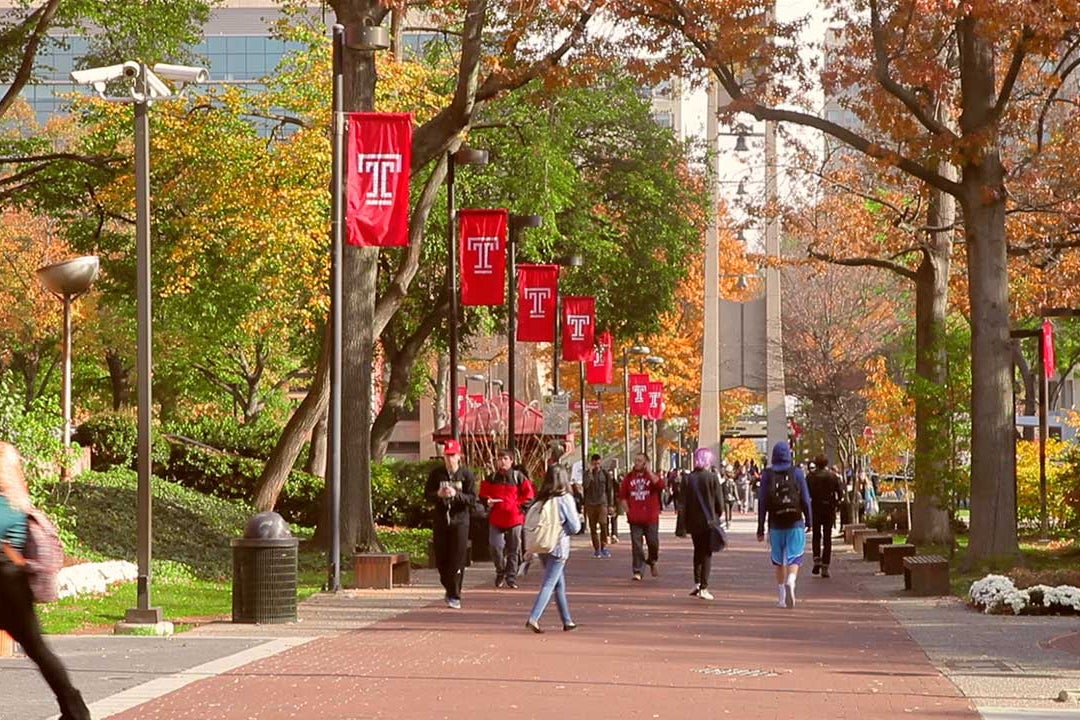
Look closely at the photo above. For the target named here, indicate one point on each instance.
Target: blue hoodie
(781, 461)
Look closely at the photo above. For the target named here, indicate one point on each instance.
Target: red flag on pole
(377, 169)
(639, 394)
(482, 237)
(601, 369)
(1049, 361)
(537, 285)
(578, 327)
(655, 394)
(462, 401)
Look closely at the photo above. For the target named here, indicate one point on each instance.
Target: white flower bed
(998, 594)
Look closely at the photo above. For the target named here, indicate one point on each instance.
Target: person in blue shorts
(784, 498)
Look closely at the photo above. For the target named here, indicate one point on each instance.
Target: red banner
(600, 370)
(578, 327)
(655, 394)
(462, 401)
(537, 286)
(377, 169)
(639, 394)
(482, 242)
(1049, 361)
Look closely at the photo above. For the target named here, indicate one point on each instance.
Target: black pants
(702, 557)
(823, 525)
(451, 547)
(651, 535)
(18, 619)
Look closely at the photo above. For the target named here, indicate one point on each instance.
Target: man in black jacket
(451, 490)
(701, 508)
(826, 492)
(598, 490)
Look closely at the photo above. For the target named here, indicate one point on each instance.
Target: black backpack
(784, 501)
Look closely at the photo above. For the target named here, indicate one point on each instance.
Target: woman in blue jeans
(556, 488)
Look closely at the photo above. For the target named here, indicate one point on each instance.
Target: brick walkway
(643, 650)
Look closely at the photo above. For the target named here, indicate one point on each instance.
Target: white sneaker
(696, 590)
(705, 594)
(789, 596)
(453, 604)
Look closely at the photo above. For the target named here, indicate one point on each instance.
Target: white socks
(781, 595)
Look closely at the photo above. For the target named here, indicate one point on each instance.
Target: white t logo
(654, 399)
(537, 296)
(577, 324)
(639, 393)
(483, 247)
(380, 166)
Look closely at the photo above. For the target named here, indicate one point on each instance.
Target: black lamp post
(517, 224)
(635, 350)
(652, 361)
(463, 156)
(574, 260)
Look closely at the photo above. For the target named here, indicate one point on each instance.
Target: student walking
(701, 508)
(17, 615)
(826, 492)
(784, 499)
(451, 491)
(639, 495)
(556, 488)
(505, 493)
(598, 490)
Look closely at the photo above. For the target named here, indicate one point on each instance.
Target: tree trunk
(119, 379)
(441, 391)
(316, 462)
(993, 460)
(930, 513)
(296, 431)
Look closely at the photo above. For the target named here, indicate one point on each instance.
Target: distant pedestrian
(730, 496)
(17, 615)
(613, 532)
(701, 508)
(742, 487)
(785, 500)
(826, 493)
(556, 488)
(506, 493)
(639, 496)
(598, 489)
(451, 490)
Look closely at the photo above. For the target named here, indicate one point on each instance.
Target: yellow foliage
(1058, 482)
(890, 415)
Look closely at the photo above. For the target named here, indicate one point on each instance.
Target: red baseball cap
(451, 447)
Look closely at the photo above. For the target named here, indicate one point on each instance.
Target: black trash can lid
(267, 526)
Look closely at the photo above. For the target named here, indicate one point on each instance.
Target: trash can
(264, 571)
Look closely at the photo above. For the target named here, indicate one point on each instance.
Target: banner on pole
(1049, 361)
(639, 394)
(377, 171)
(482, 246)
(578, 327)
(537, 288)
(462, 401)
(655, 394)
(601, 368)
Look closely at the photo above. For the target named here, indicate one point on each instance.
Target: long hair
(556, 482)
(12, 478)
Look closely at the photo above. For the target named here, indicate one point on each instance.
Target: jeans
(451, 550)
(505, 551)
(597, 518)
(652, 539)
(554, 582)
(18, 619)
(822, 540)
(702, 557)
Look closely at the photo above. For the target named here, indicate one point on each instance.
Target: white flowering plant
(999, 594)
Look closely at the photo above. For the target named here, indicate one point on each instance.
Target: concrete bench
(926, 575)
(849, 531)
(381, 570)
(858, 536)
(872, 544)
(892, 557)
(7, 645)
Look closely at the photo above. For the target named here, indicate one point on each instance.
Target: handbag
(717, 534)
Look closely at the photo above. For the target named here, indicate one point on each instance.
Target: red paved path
(640, 653)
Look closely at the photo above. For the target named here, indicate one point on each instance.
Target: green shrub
(113, 441)
(256, 439)
(397, 493)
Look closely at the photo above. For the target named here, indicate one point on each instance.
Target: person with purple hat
(451, 490)
(702, 506)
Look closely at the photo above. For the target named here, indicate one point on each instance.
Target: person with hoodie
(506, 493)
(639, 496)
(17, 615)
(784, 499)
(702, 506)
(556, 488)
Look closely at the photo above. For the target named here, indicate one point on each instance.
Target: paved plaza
(853, 647)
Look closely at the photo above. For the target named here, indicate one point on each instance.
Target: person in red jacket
(506, 492)
(639, 495)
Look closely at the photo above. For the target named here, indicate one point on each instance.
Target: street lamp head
(740, 143)
(470, 156)
(654, 360)
(496, 381)
(526, 221)
(573, 260)
(70, 278)
(639, 350)
(366, 37)
(476, 376)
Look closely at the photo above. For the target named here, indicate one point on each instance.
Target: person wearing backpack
(17, 615)
(784, 499)
(555, 489)
(702, 507)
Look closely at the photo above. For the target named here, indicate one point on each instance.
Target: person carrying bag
(702, 511)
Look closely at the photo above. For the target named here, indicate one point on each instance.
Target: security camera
(155, 87)
(102, 75)
(182, 73)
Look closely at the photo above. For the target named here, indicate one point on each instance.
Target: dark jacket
(455, 510)
(781, 462)
(701, 485)
(598, 487)
(826, 492)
